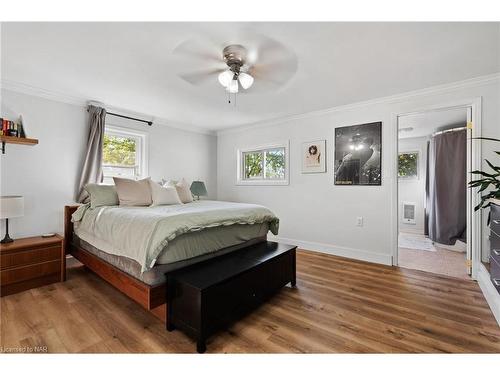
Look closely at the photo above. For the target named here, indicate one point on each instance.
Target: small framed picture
(313, 157)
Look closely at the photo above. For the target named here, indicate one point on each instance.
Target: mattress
(192, 247)
(144, 233)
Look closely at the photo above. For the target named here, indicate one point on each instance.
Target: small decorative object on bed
(198, 189)
(358, 151)
(313, 157)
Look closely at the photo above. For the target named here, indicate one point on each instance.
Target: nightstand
(31, 262)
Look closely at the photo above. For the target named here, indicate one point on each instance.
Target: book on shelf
(11, 128)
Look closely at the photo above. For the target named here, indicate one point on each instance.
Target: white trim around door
(474, 155)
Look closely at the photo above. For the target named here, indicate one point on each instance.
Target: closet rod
(449, 130)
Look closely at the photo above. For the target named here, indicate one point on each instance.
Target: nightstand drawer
(30, 256)
(23, 273)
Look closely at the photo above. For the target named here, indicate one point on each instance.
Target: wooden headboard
(68, 226)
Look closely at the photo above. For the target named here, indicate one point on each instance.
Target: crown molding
(80, 101)
(476, 81)
(83, 102)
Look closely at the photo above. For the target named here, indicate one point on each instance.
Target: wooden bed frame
(152, 298)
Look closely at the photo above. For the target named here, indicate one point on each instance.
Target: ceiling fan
(259, 64)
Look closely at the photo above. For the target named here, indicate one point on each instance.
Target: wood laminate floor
(339, 305)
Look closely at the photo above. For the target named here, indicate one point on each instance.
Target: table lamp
(10, 206)
(198, 189)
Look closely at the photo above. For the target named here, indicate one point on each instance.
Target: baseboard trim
(411, 231)
(345, 252)
(489, 292)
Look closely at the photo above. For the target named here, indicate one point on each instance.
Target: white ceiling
(426, 123)
(131, 65)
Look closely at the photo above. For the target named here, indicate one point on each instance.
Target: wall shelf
(17, 140)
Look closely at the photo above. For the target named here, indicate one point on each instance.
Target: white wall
(47, 174)
(413, 190)
(318, 215)
(313, 212)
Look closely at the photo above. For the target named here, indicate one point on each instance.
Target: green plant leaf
(492, 166)
(482, 173)
(484, 186)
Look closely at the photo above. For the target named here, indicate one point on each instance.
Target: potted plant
(488, 180)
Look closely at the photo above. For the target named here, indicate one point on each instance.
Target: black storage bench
(205, 297)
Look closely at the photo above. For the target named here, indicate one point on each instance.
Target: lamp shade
(11, 206)
(246, 80)
(198, 188)
(233, 86)
(226, 77)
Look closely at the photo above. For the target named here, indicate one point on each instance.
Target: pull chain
(229, 98)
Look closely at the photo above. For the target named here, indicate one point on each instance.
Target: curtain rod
(130, 118)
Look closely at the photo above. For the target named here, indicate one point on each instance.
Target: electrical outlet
(359, 221)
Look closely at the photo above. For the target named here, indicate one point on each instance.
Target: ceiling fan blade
(193, 48)
(199, 77)
(272, 76)
(270, 62)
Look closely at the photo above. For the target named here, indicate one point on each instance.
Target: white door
(470, 212)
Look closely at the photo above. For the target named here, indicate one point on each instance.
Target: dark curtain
(92, 164)
(426, 202)
(446, 187)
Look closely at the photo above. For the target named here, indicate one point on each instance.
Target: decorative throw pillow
(132, 192)
(163, 194)
(102, 195)
(165, 182)
(182, 189)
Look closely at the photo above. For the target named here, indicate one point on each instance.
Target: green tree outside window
(265, 164)
(408, 165)
(118, 150)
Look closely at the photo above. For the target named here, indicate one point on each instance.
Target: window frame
(142, 147)
(412, 178)
(241, 180)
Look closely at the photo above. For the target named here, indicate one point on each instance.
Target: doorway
(435, 221)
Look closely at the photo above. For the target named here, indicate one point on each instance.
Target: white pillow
(132, 192)
(182, 190)
(163, 194)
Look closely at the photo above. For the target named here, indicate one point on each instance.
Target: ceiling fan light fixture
(233, 86)
(225, 78)
(246, 80)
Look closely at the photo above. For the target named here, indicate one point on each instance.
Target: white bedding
(141, 233)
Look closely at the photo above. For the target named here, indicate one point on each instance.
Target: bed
(133, 247)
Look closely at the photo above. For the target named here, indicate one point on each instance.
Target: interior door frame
(474, 218)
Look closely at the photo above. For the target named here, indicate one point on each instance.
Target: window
(264, 165)
(408, 165)
(123, 154)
